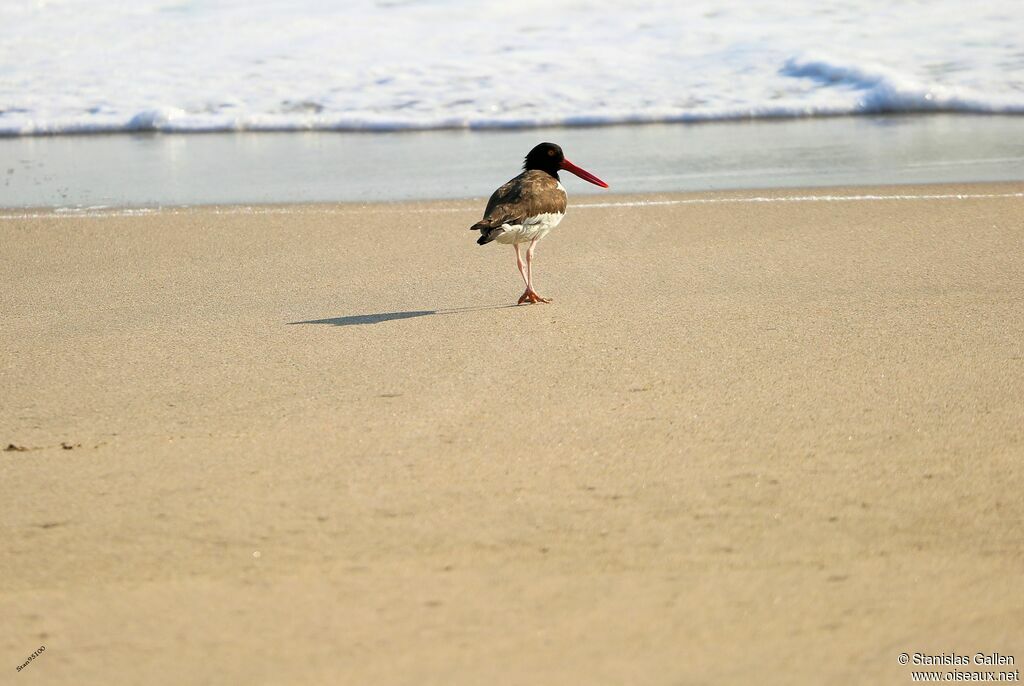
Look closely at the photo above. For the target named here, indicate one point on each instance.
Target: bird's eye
(551, 153)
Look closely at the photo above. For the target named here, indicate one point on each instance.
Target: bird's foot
(530, 296)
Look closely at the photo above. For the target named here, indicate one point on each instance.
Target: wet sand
(749, 442)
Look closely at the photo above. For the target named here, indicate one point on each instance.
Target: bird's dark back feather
(531, 193)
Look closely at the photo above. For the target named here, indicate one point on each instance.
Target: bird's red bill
(583, 174)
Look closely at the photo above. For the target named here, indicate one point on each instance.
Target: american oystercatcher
(528, 206)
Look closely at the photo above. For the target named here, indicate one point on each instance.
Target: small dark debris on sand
(50, 525)
(70, 446)
(11, 448)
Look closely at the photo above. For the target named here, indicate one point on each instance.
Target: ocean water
(72, 66)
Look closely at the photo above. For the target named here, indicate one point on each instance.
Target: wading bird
(527, 207)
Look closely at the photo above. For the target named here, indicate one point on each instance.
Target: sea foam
(880, 89)
(73, 66)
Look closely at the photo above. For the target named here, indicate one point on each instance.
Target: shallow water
(189, 169)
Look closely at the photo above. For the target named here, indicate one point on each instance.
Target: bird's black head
(545, 157)
(548, 157)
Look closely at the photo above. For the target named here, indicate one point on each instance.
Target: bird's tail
(488, 232)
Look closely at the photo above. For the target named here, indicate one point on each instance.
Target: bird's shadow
(358, 319)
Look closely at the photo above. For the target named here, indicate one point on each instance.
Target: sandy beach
(758, 437)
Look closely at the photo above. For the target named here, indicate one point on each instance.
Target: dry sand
(749, 442)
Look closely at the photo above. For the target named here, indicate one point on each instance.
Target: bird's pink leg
(531, 294)
(522, 272)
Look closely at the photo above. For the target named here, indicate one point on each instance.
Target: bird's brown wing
(529, 194)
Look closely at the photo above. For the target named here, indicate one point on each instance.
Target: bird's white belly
(532, 229)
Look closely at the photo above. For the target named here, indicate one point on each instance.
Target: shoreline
(318, 443)
(839, 193)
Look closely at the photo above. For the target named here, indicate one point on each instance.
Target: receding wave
(881, 90)
(864, 91)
